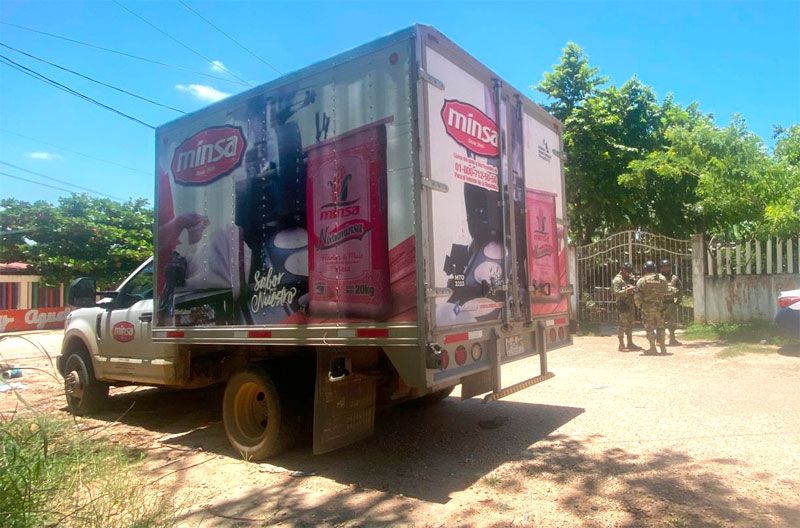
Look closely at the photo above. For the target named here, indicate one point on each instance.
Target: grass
(757, 337)
(52, 474)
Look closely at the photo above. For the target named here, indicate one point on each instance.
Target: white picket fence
(753, 257)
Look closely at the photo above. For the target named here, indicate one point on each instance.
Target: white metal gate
(598, 263)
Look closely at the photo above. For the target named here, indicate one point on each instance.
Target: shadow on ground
(421, 452)
(591, 485)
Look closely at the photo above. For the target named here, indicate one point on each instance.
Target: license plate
(514, 346)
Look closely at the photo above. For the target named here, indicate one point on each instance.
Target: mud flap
(344, 410)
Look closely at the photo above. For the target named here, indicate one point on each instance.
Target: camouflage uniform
(650, 292)
(671, 302)
(625, 308)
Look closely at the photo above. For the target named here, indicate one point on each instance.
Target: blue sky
(730, 56)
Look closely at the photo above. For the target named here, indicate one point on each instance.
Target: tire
(84, 394)
(436, 396)
(257, 422)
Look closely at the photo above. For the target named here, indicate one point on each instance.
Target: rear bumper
(788, 321)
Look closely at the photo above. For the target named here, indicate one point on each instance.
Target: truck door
(125, 340)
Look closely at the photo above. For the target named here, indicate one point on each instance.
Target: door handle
(146, 317)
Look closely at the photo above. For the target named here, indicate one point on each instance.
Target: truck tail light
(444, 359)
(461, 354)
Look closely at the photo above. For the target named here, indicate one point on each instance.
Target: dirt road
(615, 439)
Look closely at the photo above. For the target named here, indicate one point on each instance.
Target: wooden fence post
(699, 278)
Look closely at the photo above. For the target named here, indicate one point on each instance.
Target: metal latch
(427, 77)
(435, 185)
(438, 292)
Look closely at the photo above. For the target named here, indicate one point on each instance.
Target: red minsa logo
(208, 155)
(470, 128)
(123, 331)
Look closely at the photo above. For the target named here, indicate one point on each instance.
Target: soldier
(671, 301)
(623, 288)
(650, 292)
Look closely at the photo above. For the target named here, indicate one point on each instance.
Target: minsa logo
(471, 128)
(208, 155)
(340, 206)
(123, 331)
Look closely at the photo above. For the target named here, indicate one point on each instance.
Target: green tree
(80, 236)
(739, 190)
(571, 82)
(634, 162)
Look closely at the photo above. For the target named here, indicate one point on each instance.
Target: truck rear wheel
(257, 423)
(85, 395)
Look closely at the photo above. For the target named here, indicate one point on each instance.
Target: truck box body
(399, 195)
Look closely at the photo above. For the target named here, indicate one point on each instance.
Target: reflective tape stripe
(463, 336)
(125, 360)
(160, 362)
(372, 332)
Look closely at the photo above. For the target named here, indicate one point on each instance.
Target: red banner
(33, 319)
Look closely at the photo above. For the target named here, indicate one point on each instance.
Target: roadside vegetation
(54, 474)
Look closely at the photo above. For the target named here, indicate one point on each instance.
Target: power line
(36, 182)
(38, 76)
(207, 21)
(126, 92)
(65, 149)
(46, 177)
(222, 66)
(124, 54)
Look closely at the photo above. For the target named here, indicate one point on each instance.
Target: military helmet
(627, 266)
(665, 263)
(649, 267)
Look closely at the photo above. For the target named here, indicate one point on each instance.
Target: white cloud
(46, 156)
(202, 92)
(218, 66)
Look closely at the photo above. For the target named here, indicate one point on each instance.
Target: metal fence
(597, 264)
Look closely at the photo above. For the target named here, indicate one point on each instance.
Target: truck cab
(110, 340)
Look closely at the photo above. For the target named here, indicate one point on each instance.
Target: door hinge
(427, 77)
(435, 185)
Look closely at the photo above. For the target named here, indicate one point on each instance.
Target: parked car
(788, 316)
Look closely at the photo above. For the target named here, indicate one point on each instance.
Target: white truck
(378, 227)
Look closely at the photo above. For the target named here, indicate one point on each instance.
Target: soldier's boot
(652, 350)
(631, 346)
(672, 340)
(661, 345)
(621, 344)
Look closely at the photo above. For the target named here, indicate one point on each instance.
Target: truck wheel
(85, 395)
(437, 396)
(257, 423)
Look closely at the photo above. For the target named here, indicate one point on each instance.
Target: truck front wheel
(257, 423)
(85, 395)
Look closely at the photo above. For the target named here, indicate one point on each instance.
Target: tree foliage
(635, 162)
(79, 236)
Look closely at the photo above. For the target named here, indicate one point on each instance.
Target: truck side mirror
(82, 293)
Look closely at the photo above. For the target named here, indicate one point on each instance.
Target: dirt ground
(615, 439)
